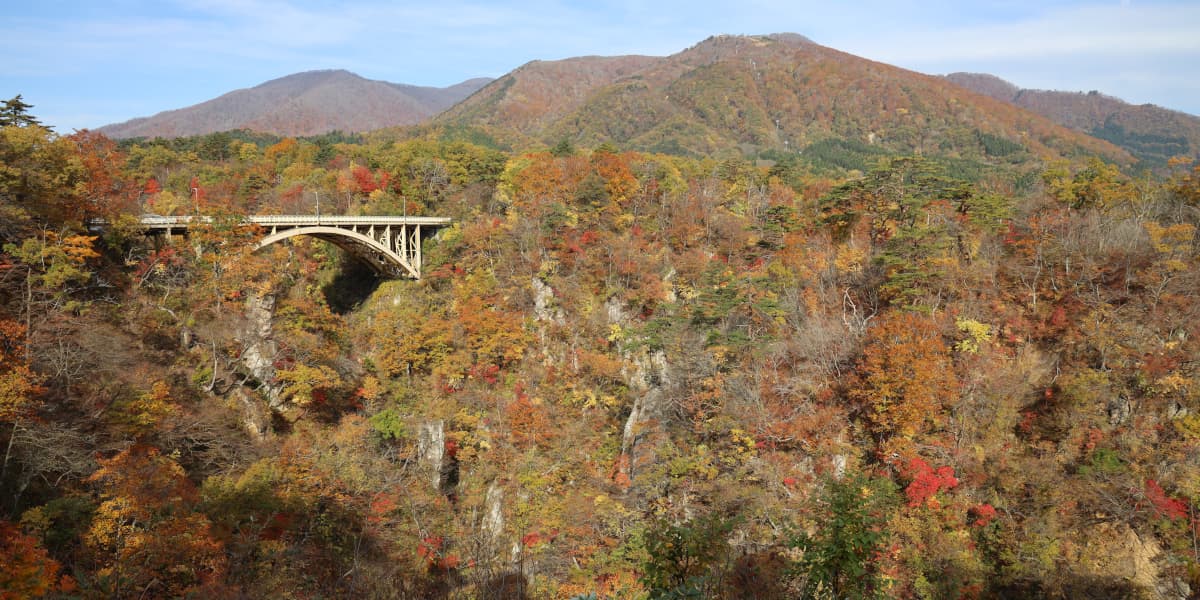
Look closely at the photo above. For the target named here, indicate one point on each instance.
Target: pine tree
(16, 113)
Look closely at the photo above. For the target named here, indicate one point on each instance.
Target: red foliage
(1164, 505)
(1156, 365)
(446, 271)
(1058, 319)
(926, 481)
(194, 188)
(1028, 418)
(620, 472)
(292, 199)
(431, 549)
(488, 373)
(430, 546)
(278, 525)
(364, 180)
(982, 515)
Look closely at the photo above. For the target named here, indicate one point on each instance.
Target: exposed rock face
(643, 427)
(543, 303)
(1122, 561)
(649, 381)
(259, 347)
(1118, 410)
(255, 418)
(431, 447)
(493, 518)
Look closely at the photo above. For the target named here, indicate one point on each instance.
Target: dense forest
(623, 374)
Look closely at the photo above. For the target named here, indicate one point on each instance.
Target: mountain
(762, 95)
(306, 103)
(1151, 133)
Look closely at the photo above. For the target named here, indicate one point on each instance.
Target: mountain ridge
(306, 103)
(773, 93)
(760, 95)
(1150, 132)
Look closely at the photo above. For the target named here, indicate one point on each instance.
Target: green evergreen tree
(15, 113)
(838, 559)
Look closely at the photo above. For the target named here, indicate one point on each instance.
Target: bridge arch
(389, 244)
(364, 247)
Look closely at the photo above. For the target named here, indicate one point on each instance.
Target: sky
(88, 63)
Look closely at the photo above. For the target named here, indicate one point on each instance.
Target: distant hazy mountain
(757, 94)
(1149, 132)
(307, 103)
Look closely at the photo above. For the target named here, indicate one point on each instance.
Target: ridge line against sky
(87, 64)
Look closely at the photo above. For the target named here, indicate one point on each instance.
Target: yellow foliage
(745, 447)
(18, 388)
(615, 334)
(301, 382)
(849, 259)
(977, 334)
(1172, 239)
(1189, 426)
(371, 389)
(590, 399)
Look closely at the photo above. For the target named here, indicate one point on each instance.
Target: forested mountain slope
(624, 375)
(310, 103)
(1151, 133)
(754, 94)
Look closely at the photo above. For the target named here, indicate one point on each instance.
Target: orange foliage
(26, 570)
(619, 180)
(146, 533)
(19, 385)
(102, 184)
(905, 377)
(528, 423)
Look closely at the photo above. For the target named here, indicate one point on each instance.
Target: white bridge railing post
(391, 245)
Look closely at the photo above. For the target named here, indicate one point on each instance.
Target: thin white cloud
(1094, 30)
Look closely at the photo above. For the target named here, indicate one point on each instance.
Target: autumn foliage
(965, 374)
(905, 380)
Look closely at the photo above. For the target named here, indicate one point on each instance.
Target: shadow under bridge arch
(390, 245)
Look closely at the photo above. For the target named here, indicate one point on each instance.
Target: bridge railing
(156, 220)
(397, 239)
(183, 221)
(344, 220)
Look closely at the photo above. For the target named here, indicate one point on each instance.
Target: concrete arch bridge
(390, 245)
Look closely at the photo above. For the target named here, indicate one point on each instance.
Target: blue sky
(91, 63)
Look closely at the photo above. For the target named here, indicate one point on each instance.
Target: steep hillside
(1151, 133)
(307, 103)
(759, 94)
(520, 105)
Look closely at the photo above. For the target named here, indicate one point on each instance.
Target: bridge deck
(389, 244)
(179, 222)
